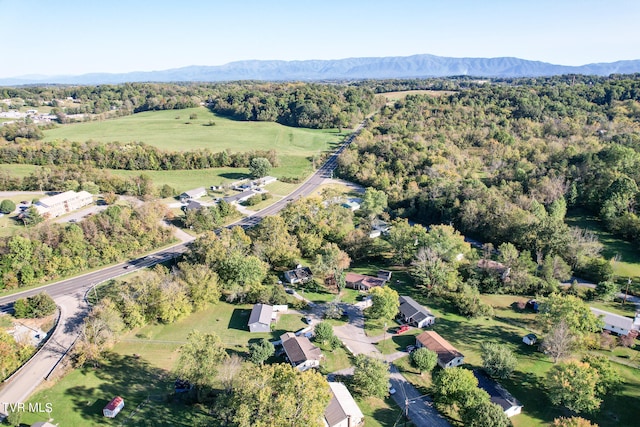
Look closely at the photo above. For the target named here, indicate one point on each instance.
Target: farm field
(173, 130)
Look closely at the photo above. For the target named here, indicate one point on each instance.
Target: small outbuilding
(114, 407)
(530, 339)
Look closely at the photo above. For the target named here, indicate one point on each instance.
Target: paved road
(69, 294)
(418, 407)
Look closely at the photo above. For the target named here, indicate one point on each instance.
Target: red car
(402, 329)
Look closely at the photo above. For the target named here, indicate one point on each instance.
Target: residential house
(342, 410)
(114, 407)
(353, 203)
(193, 206)
(193, 194)
(448, 356)
(620, 325)
(379, 227)
(240, 197)
(498, 394)
(298, 275)
(261, 317)
(265, 180)
(414, 314)
(300, 352)
(362, 282)
(63, 203)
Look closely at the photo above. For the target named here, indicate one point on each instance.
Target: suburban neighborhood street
(70, 294)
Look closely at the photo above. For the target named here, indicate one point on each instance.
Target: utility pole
(626, 292)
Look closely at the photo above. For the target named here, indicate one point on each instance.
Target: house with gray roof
(193, 194)
(298, 275)
(620, 325)
(342, 410)
(498, 394)
(414, 314)
(261, 317)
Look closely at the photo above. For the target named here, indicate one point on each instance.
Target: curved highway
(70, 294)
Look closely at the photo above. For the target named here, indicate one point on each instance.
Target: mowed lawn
(141, 365)
(627, 264)
(173, 131)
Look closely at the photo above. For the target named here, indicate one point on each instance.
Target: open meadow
(174, 130)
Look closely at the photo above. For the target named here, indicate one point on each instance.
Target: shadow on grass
(235, 175)
(239, 319)
(142, 386)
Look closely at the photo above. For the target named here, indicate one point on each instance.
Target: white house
(498, 394)
(298, 275)
(193, 194)
(620, 325)
(342, 410)
(261, 317)
(63, 203)
(414, 314)
(448, 356)
(300, 352)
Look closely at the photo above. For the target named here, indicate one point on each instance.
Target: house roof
(367, 281)
(301, 273)
(240, 196)
(195, 192)
(384, 274)
(411, 309)
(341, 405)
(62, 197)
(299, 349)
(115, 402)
(434, 342)
(497, 392)
(616, 320)
(193, 205)
(261, 313)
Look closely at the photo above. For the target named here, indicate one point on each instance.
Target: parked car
(307, 320)
(391, 389)
(410, 348)
(289, 291)
(402, 329)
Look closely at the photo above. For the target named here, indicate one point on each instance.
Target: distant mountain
(343, 69)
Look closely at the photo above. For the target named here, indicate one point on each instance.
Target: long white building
(63, 203)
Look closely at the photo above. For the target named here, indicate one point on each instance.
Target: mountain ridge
(414, 66)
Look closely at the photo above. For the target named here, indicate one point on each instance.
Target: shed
(260, 318)
(114, 407)
(530, 339)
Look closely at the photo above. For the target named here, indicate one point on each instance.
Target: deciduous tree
(574, 386)
(200, 359)
(424, 359)
(498, 359)
(370, 376)
(260, 351)
(384, 303)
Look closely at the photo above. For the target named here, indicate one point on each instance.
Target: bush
(37, 306)
(7, 206)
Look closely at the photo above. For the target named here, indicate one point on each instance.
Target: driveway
(419, 408)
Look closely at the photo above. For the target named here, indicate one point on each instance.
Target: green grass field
(173, 131)
(628, 264)
(19, 171)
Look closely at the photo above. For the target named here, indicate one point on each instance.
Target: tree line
(49, 250)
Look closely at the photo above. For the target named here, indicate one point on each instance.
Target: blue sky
(44, 37)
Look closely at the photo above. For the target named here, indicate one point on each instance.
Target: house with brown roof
(362, 282)
(448, 356)
(342, 410)
(300, 352)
